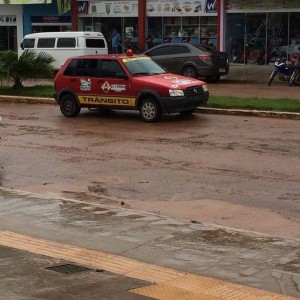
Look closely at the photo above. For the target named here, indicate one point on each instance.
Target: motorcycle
(295, 77)
(283, 71)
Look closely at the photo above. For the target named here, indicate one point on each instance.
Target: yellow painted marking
(170, 284)
(107, 100)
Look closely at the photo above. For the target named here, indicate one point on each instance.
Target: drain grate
(68, 269)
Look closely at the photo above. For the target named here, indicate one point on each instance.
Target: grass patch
(287, 105)
(32, 91)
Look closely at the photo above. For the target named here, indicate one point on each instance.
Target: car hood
(169, 80)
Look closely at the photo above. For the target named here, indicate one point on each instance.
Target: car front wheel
(190, 72)
(69, 106)
(150, 110)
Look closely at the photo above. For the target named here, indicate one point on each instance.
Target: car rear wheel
(150, 110)
(190, 72)
(69, 106)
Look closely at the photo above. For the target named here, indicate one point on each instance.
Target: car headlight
(176, 93)
(205, 88)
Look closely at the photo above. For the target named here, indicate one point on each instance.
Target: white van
(62, 45)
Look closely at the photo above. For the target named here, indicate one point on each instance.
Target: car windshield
(141, 66)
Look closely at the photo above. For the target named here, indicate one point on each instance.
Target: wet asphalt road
(235, 171)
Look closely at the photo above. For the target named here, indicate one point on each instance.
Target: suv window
(70, 69)
(46, 43)
(95, 43)
(28, 43)
(110, 67)
(66, 43)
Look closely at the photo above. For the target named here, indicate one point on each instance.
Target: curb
(250, 113)
(203, 110)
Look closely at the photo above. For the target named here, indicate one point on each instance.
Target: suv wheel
(150, 110)
(69, 106)
(190, 72)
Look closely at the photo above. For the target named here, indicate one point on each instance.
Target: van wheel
(150, 110)
(69, 106)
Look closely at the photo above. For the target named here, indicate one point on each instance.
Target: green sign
(262, 4)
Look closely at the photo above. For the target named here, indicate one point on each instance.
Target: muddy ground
(240, 172)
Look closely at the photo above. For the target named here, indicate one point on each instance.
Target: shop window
(66, 43)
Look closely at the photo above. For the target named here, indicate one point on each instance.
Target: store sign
(114, 8)
(25, 1)
(157, 8)
(211, 6)
(8, 20)
(262, 5)
(83, 7)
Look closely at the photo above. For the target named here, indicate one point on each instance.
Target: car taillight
(205, 57)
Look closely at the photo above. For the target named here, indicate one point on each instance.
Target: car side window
(160, 51)
(179, 50)
(66, 43)
(87, 67)
(110, 67)
(70, 69)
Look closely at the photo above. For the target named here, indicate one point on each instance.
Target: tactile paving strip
(170, 284)
(190, 287)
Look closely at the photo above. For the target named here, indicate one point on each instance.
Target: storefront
(46, 17)
(258, 32)
(10, 26)
(166, 21)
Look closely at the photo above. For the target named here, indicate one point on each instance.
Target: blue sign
(211, 6)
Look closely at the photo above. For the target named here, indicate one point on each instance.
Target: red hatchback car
(127, 82)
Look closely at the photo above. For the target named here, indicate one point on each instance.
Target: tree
(28, 66)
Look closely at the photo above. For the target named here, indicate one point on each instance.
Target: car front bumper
(180, 104)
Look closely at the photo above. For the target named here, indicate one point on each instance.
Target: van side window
(66, 43)
(87, 67)
(109, 68)
(95, 43)
(28, 43)
(46, 43)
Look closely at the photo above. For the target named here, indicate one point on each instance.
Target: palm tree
(28, 66)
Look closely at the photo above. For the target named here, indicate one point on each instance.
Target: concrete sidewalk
(138, 249)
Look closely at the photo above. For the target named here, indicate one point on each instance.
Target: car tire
(273, 75)
(69, 106)
(190, 72)
(150, 110)
(187, 112)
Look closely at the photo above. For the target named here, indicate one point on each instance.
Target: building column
(221, 24)
(74, 15)
(141, 24)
